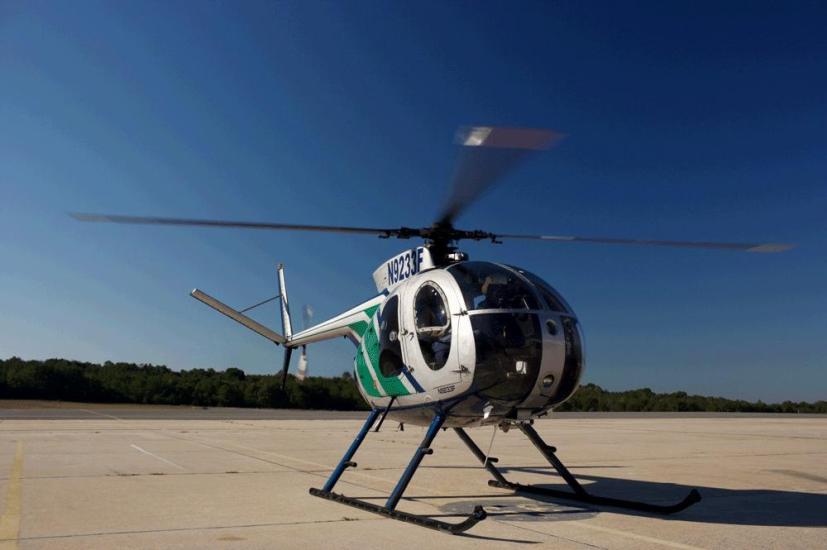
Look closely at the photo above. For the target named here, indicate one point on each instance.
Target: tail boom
(239, 317)
(351, 324)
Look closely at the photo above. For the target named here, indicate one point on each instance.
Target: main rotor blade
(746, 247)
(487, 154)
(244, 225)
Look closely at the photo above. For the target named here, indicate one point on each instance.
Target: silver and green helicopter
(448, 342)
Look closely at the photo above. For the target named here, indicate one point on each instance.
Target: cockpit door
(431, 329)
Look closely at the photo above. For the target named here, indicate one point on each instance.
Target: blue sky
(684, 121)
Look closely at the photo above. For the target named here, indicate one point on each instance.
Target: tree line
(591, 398)
(66, 380)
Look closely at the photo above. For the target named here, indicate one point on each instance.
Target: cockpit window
(489, 286)
(433, 325)
(390, 357)
(549, 295)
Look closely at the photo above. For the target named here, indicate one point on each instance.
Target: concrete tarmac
(120, 477)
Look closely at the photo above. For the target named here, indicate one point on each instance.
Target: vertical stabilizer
(286, 325)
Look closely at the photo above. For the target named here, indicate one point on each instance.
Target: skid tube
(389, 509)
(578, 492)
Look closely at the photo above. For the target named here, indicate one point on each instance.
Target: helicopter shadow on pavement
(498, 506)
(759, 507)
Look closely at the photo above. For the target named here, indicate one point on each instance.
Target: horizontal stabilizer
(238, 316)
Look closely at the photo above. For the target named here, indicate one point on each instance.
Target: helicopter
(448, 342)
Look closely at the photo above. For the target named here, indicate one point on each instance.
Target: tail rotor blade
(307, 315)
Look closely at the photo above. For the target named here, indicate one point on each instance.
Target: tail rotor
(307, 317)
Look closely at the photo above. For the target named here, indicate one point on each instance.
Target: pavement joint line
(642, 538)
(102, 414)
(722, 435)
(115, 474)
(715, 456)
(201, 528)
(327, 467)
(800, 475)
(162, 459)
(291, 468)
(543, 533)
(10, 521)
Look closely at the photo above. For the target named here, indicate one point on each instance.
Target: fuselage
(475, 342)
(479, 341)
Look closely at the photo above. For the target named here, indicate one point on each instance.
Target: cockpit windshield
(550, 296)
(489, 286)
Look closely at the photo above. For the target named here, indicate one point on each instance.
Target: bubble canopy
(487, 285)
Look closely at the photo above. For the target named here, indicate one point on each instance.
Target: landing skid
(389, 509)
(578, 493)
(423, 521)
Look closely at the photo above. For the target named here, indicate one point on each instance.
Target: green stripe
(370, 311)
(362, 368)
(364, 376)
(391, 385)
(359, 327)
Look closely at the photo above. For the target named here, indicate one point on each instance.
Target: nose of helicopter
(525, 361)
(528, 347)
(509, 350)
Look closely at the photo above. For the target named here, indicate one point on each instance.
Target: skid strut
(578, 492)
(389, 509)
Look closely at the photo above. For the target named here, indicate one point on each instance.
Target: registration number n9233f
(403, 266)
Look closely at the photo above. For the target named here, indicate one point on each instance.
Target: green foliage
(60, 379)
(591, 397)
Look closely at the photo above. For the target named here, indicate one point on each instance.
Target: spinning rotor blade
(746, 247)
(432, 232)
(307, 315)
(244, 225)
(487, 154)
